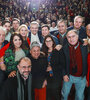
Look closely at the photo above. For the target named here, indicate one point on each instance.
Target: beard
(25, 76)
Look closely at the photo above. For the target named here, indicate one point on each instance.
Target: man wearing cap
(39, 65)
(76, 66)
(19, 87)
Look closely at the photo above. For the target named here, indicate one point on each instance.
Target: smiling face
(35, 52)
(72, 38)
(62, 27)
(7, 26)
(17, 42)
(15, 25)
(34, 29)
(49, 42)
(24, 68)
(78, 23)
(23, 31)
(45, 31)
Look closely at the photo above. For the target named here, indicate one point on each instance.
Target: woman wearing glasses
(56, 63)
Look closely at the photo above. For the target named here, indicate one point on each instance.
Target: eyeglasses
(26, 66)
(48, 41)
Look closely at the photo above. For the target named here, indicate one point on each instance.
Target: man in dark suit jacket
(78, 20)
(62, 30)
(76, 66)
(19, 87)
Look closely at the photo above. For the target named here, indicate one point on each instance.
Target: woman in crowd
(23, 30)
(13, 54)
(56, 64)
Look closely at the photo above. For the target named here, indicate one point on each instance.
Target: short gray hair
(60, 21)
(73, 30)
(33, 23)
(78, 17)
(34, 44)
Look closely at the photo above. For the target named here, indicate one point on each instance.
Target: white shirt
(8, 36)
(35, 38)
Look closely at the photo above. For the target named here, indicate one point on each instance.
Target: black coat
(57, 63)
(38, 70)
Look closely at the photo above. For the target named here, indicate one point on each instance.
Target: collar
(63, 34)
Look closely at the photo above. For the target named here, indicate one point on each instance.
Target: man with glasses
(19, 87)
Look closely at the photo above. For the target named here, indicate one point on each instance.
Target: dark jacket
(11, 86)
(84, 53)
(57, 63)
(38, 70)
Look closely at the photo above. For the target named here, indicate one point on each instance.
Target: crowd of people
(43, 53)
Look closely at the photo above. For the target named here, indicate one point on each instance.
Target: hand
(86, 83)
(85, 42)
(1, 59)
(58, 47)
(44, 83)
(66, 78)
(49, 68)
(3, 66)
(12, 74)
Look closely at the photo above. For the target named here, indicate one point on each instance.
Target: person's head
(23, 30)
(62, 26)
(16, 41)
(2, 34)
(45, 30)
(78, 20)
(49, 43)
(72, 37)
(53, 24)
(34, 27)
(7, 25)
(35, 50)
(24, 67)
(88, 30)
(15, 23)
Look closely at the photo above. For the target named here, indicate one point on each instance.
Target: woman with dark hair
(13, 54)
(56, 63)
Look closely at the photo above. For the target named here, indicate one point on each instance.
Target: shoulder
(11, 82)
(70, 28)
(8, 51)
(5, 42)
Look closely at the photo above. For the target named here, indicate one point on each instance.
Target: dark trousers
(53, 89)
(88, 93)
(2, 78)
(53, 94)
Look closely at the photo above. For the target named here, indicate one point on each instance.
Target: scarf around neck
(20, 89)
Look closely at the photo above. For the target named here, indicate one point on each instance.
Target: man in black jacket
(76, 66)
(19, 87)
(39, 65)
